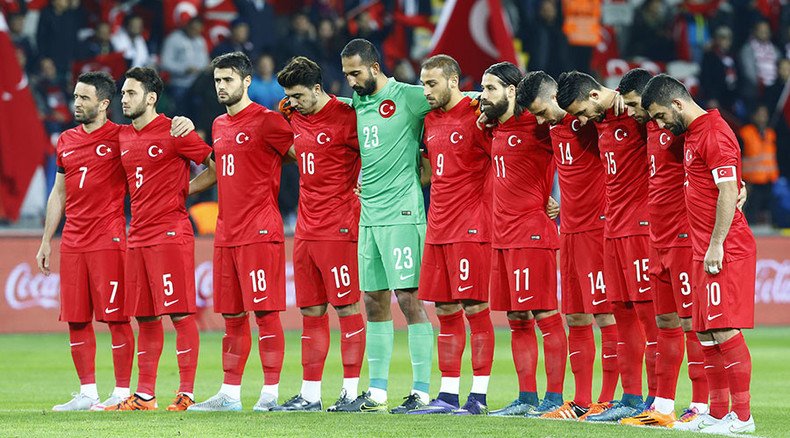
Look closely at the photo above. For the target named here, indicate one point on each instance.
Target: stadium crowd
(738, 53)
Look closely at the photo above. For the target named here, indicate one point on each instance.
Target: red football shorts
(325, 271)
(249, 278)
(160, 280)
(581, 273)
(724, 300)
(625, 268)
(670, 280)
(92, 284)
(524, 279)
(455, 271)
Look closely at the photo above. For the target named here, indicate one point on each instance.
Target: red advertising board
(31, 301)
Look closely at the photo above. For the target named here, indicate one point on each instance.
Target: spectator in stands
(52, 99)
(130, 41)
(546, 42)
(774, 92)
(330, 44)
(16, 27)
(264, 88)
(184, 55)
(691, 31)
(650, 33)
(758, 62)
(760, 169)
(56, 36)
(301, 40)
(778, 118)
(719, 74)
(263, 34)
(238, 41)
(98, 44)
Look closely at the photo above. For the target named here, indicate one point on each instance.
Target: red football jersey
(581, 175)
(622, 142)
(666, 202)
(95, 188)
(460, 155)
(523, 176)
(713, 156)
(157, 173)
(327, 153)
(248, 151)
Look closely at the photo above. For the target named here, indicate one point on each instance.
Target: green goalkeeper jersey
(389, 127)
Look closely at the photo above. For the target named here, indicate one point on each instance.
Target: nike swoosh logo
(575, 352)
(306, 337)
(348, 335)
(546, 334)
(106, 310)
(179, 352)
(74, 344)
(266, 337)
(609, 356)
(217, 139)
(140, 352)
(726, 367)
(524, 300)
(687, 305)
(461, 289)
(341, 295)
(66, 154)
(170, 303)
(296, 136)
(429, 138)
(258, 300)
(643, 289)
(408, 276)
(708, 366)
(597, 302)
(600, 136)
(445, 334)
(712, 317)
(696, 363)
(124, 152)
(651, 343)
(115, 347)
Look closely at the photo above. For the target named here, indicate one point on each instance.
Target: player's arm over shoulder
(415, 99)
(193, 147)
(277, 131)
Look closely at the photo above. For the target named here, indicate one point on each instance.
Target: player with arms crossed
(724, 251)
(456, 266)
(670, 264)
(392, 223)
(160, 273)
(584, 296)
(524, 241)
(623, 147)
(250, 142)
(326, 149)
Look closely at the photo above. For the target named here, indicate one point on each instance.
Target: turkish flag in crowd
(475, 33)
(22, 137)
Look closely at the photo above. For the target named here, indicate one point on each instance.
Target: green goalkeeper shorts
(390, 256)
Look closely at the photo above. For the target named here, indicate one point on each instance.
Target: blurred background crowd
(733, 54)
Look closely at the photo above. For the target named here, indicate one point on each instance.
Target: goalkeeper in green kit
(392, 224)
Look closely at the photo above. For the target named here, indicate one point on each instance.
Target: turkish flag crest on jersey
(387, 109)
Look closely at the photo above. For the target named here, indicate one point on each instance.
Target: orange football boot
(134, 403)
(596, 408)
(181, 402)
(568, 411)
(650, 417)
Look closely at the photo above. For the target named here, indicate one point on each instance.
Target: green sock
(421, 351)
(380, 339)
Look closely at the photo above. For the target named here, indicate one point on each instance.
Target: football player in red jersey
(584, 297)
(160, 274)
(622, 143)
(326, 148)
(89, 188)
(670, 264)
(724, 251)
(457, 257)
(250, 142)
(524, 241)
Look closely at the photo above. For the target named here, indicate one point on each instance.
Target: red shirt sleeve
(352, 139)
(720, 152)
(278, 133)
(192, 147)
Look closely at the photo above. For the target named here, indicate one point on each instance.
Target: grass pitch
(36, 373)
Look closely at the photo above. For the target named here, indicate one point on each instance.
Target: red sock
(271, 346)
(524, 345)
(236, 346)
(83, 351)
(581, 344)
(482, 342)
(630, 347)
(352, 344)
(647, 317)
(187, 349)
(670, 357)
(717, 381)
(122, 352)
(451, 343)
(150, 341)
(555, 351)
(738, 367)
(315, 346)
(696, 367)
(611, 371)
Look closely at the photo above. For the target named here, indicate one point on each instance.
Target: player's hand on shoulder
(619, 104)
(552, 208)
(358, 189)
(285, 108)
(181, 126)
(482, 122)
(742, 195)
(43, 257)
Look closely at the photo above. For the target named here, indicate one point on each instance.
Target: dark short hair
(300, 71)
(236, 61)
(448, 65)
(662, 90)
(148, 77)
(364, 48)
(635, 80)
(506, 72)
(573, 86)
(535, 84)
(102, 81)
